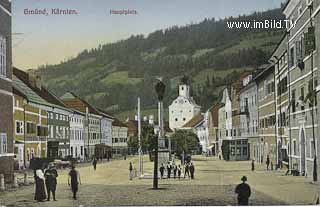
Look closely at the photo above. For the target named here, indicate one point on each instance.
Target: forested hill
(111, 76)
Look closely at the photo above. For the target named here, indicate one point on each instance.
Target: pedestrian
(268, 162)
(174, 171)
(186, 170)
(252, 165)
(161, 171)
(179, 171)
(130, 171)
(191, 168)
(94, 163)
(168, 170)
(51, 175)
(40, 192)
(271, 164)
(74, 176)
(243, 190)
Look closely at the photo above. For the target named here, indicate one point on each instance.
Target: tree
(147, 140)
(184, 141)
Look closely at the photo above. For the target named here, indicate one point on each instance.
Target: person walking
(252, 165)
(186, 170)
(161, 171)
(179, 171)
(168, 170)
(130, 171)
(243, 190)
(51, 175)
(94, 163)
(74, 177)
(268, 162)
(40, 192)
(191, 168)
(175, 171)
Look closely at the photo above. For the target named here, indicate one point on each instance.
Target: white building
(228, 110)
(182, 109)
(119, 138)
(77, 126)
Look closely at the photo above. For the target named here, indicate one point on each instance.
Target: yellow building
(30, 123)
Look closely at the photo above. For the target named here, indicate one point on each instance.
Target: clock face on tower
(180, 101)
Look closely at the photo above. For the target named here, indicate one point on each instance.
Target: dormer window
(182, 88)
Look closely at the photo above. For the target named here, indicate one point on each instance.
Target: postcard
(159, 103)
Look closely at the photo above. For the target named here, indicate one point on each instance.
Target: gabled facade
(249, 115)
(77, 126)
(199, 125)
(266, 145)
(6, 96)
(119, 138)
(183, 108)
(303, 65)
(58, 141)
(30, 125)
(92, 129)
(213, 129)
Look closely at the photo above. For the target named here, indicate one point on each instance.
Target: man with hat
(243, 190)
(51, 175)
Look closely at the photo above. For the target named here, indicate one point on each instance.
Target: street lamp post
(160, 90)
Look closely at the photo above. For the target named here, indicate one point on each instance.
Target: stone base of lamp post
(163, 156)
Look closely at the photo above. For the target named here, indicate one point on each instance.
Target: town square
(138, 103)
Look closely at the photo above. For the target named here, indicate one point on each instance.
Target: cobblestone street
(213, 185)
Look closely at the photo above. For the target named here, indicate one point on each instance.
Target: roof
(117, 122)
(269, 69)
(286, 5)
(39, 95)
(70, 98)
(214, 111)
(106, 114)
(194, 121)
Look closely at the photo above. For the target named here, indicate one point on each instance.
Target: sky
(41, 39)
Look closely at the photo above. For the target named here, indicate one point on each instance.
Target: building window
(19, 127)
(184, 119)
(293, 96)
(294, 147)
(291, 63)
(3, 59)
(31, 128)
(302, 97)
(3, 143)
(176, 119)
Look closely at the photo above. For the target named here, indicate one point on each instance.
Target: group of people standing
(46, 182)
(175, 170)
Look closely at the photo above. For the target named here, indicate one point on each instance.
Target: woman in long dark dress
(40, 193)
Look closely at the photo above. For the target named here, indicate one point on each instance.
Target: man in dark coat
(186, 170)
(268, 162)
(191, 168)
(161, 171)
(74, 176)
(94, 163)
(175, 171)
(252, 165)
(179, 171)
(169, 170)
(243, 190)
(51, 175)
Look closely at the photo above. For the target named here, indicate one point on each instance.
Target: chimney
(35, 81)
